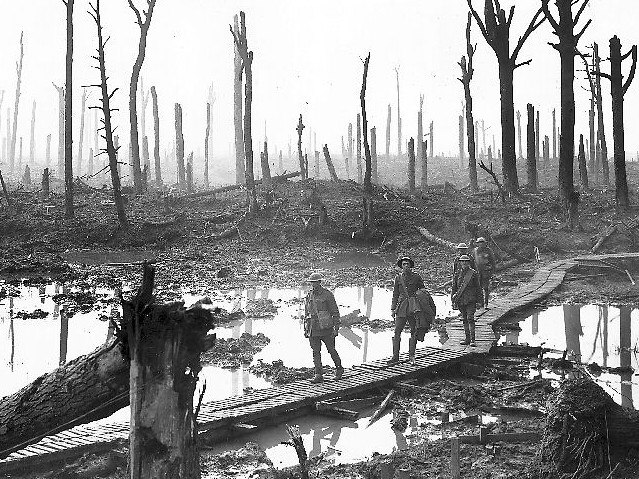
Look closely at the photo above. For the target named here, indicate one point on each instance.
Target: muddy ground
(206, 242)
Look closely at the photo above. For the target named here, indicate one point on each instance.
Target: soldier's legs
(400, 322)
(484, 279)
(329, 341)
(470, 317)
(464, 311)
(316, 347)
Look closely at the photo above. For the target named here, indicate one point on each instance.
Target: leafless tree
(12, 154)
(206, 144)
(531, 150)
(496, 31)
(143, 20)
(32, 137)
(111, 149)
(81, 137)
(156, 135)
(466, 77)
(399, 117)
(564, 29)
(601, 132)
(179, 146)
(368, 186)
(618, 88)
(241, 43)
(68, 115)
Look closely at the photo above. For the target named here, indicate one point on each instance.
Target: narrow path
(218, 419)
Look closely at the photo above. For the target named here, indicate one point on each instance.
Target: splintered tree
(241, 43)
(68, 115)
(111, 149)
(367, 216)
(496, 31)
(466, 77)
(206, 145)
(143, 19)
(81, 137)
(519, 155)
(531, 157)
(32, 137)
(411, 165)
(601, 133)
(420, 126)
(12, 153)
(581, 160)
(156, 131)
(300, 157)
(60, 91)
(618, 89)
(564, 29)
(266, 169)
(399, 118)
(179, 146)
(237, 109)
(388, 136)
(359, 145)
(329, 164)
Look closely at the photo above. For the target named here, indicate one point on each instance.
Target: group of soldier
(411, 304)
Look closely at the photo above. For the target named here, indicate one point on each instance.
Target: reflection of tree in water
(535, 323)
(574, 331)
(11, 334)
(64, 336)
(625, 355)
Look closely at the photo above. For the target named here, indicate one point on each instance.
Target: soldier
(407, 305)
(321, 325)
(462, 249)
(466, 295)
(485, 265)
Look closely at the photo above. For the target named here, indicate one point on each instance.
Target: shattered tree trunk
(300, 128)
(424, 160)
(68, 116)
(90, 163)
(237, 109)
(537, 137)
(81, 137)
(388, 134)
(518, 114)
(367, 199)
(12, 154)
(374, 178)
(411, 165)
(430, 135)
(32, 137)
(179, 146)
(581, 159)
(48, 150)
(399, 118)
(165, 342)
(601, 133)
(466, 65)
(460, 140)
(329, 164)
(531, 160)
(266, 169)
(45, 183)
(206, 145)
(554, 135)
(156, 134)
(420, 127)
(359, 146)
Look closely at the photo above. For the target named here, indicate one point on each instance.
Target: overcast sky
(307, 59)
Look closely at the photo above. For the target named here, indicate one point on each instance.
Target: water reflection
(591, 334)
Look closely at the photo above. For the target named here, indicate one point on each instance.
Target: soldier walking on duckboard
(466, 295)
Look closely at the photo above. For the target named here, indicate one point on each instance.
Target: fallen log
(607, 233)
(434, 239)
(224, 189)
(88, 388)
(328, 409)
(382, 407)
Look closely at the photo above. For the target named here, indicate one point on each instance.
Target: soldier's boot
(486, 294)
(472, 334)
(465, 342)
(339, 370)
(396, 344)
(412, 345)
(317, 363)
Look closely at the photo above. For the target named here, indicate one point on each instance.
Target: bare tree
(399, 118)
(143, 19)
(206, 145)
(111, 149)
(518, 114)
(48, 151)
(601, 133)
(359, 145)
(388, 136)
(179, 146)
(567, 48)
(466, 77)
(531, 150)
(300, 157)
(581, 160)
(156, 130)
(240, 174)
(12, 154)
(496, 31)
(618, 88)
(144, 100)
(32, 137)
(241, 44)
(68, 115)
(266, 169)
(81, 137)
(420, 126)
(411, 165)
(60, 90)
(368, 186)
(329, 164)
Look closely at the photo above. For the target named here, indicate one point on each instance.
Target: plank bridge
(222, 418)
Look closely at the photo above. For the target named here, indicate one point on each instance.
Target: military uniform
(466, 294)
(485, 265)
(321, 302)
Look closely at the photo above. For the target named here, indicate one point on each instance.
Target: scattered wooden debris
(382, 407)
(329, 409)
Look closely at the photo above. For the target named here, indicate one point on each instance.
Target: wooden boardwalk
(219, 419)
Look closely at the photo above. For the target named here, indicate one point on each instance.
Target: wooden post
(411, 165)
(581, 159)
(329, 164)
(179, 146)
(45, 183)
(531, 159)
(32, 138)
(81, 137)
(300, 128)
(359, 145)
(454, 458)
(48, 150)
(266, 169)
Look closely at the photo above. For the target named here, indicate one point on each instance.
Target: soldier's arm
(420, 283)
(333, 309)
(395, 295)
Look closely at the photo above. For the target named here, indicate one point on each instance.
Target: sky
(308, 58)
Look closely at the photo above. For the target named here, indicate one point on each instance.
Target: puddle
(31, 345)
(591, 334)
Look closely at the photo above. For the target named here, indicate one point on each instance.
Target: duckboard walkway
(218, 419)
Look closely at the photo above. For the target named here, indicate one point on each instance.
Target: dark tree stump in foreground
(583, 423)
